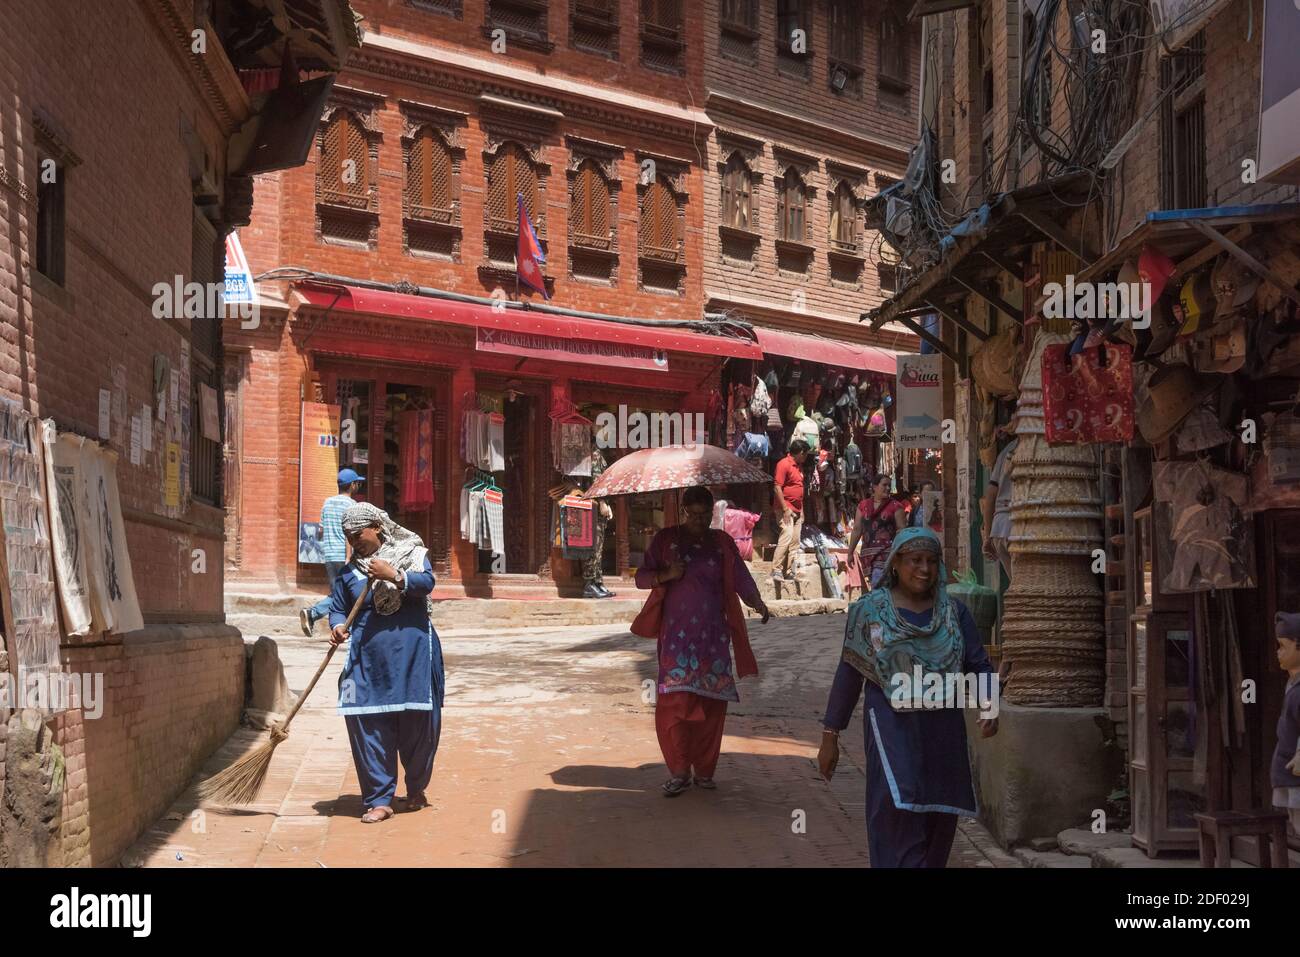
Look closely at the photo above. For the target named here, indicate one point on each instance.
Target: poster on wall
(67, 526)
(34, 643)
(918, 419)
(318, 474)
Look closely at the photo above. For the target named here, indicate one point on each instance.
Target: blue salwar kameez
(391, 688)
(918, 770)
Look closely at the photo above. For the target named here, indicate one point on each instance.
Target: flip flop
(416, 802)
(377, 815)
(675, 786)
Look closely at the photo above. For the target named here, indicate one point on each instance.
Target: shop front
(470, 420)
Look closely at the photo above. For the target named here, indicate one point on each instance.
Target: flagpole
(519, 229)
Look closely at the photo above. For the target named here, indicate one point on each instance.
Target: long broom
(241, 782)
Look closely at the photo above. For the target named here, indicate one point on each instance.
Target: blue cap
(347, 477)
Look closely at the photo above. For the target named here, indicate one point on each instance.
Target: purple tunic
(695, 646)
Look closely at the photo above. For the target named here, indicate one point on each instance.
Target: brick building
(601, 116)
(1066, 143)
(117, 174)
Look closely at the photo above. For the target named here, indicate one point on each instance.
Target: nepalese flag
(529, 257)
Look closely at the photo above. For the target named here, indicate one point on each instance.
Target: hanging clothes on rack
(577, 528)
(415, 459)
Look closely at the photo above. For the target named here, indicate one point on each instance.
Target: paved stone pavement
(548, 758)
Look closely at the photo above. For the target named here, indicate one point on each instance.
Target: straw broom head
(242, 781)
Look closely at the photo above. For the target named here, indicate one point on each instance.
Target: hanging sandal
(675, 786)
(377, 815)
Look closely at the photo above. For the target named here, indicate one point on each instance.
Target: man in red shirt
(789, 504)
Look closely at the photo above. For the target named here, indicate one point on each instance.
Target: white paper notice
(105, 403)
(146, 421)
(135, 440)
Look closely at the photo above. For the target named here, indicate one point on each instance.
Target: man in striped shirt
(333, 543)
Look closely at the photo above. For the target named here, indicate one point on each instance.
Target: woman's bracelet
(831, 731)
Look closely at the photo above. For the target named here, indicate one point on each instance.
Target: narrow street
(548, 758)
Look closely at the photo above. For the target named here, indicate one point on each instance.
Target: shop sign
(919, 416)
(537, 346)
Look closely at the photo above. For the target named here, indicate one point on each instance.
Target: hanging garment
(578, 528)
(760, 404)
(1211, 534)
(496, 440)
(494, 509)
(415, 459)
(575, 448)
(753, 446)
(739, 524)
(1088, 397)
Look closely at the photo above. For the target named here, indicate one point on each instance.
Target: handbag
(1084, 400)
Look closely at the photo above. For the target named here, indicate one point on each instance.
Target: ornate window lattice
(593, 26)
(347, 190)
(737, 194)
(792, 207)
(510, 173)
(663, 39)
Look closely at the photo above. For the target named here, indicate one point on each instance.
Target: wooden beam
(1250, 262)
(937, 343)
(1203, 255)
(994, 300)
(957, 319)
(1018, 274)
(1057, 235)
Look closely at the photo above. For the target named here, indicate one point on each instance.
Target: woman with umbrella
(699, 579)
(918, 772)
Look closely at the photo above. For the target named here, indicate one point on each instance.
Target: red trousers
(690, 732)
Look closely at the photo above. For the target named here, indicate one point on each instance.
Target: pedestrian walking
(699, 580)
(789, 500)
(918, 772)
(878, 520)
(1285, 770)
(333, 544)
(391, 687)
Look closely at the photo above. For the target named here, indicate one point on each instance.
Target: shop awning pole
(957, 319)
(1249, 261)
(937, 343)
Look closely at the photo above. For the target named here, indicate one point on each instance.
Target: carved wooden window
(524, 22)
(660, 236)
(737, 193)
(344, 173)
(793, 29)
(589, 208)
(429, 177)
(347, 194)
(792, 207)
(844, 217)
(844, 32)
(593, 26)
(893, 52)
(450, 8)
(510, 173)
(663, 39)
(738, 29)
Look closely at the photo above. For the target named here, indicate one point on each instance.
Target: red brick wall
(174, 694)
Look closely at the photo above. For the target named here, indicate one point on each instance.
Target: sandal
(675, 786)
(707, 783)
(377, 814)
(416, 802)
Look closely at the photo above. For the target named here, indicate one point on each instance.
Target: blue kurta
(394, 661)
(917, 763)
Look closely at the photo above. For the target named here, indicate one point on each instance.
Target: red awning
(526, 322)
(844, 355)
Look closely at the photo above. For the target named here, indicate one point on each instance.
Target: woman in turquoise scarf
(918, 773)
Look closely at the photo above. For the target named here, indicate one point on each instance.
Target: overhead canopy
(845, 355)
(997, 238)
(514, 319)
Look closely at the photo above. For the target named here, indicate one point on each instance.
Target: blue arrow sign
(919, 421)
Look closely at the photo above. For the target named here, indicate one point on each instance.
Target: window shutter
(358, 190)
(330, 172)
(439, 171)
(781, 221)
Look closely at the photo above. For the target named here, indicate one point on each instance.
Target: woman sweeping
(879, 519)
(391, 688)
(918, 773)
(704, 579)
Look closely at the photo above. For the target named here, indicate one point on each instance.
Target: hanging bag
(1088, 398)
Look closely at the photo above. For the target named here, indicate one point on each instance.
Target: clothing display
(577, 527)
(1207, 525)
(1088, 397)
(572, 445)
(482, 517)
(415, 459)
(753, 446)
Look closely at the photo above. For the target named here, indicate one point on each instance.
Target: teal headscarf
(880, 643)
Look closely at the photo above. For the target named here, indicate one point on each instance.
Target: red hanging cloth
(415, 459)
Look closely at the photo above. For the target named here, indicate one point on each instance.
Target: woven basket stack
(1052, 623)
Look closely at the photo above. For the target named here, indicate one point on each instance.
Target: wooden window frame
(595, 16)
(338, 207)
(893, 53)
(658, 36)
(786, 23)
(853, 13)
(529, 38)
(1184, 182)
(853, 244)
(737, 167)
(785, 188)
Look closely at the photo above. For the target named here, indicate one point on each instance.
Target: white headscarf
(400, 547)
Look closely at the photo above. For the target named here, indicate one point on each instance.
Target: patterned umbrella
(674, 466)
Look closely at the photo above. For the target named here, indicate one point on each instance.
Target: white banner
(918, 419)
(62, 464)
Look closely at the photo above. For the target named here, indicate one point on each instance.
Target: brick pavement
(548, 758)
